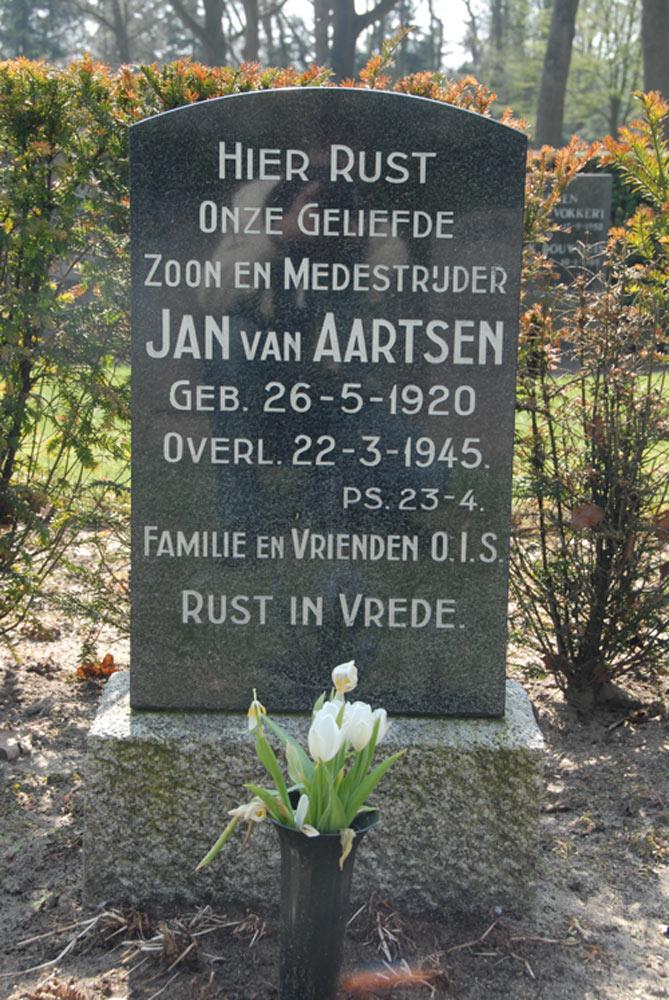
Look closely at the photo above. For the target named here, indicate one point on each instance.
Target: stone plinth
(459, 823)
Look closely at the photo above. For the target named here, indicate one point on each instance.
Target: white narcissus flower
(325, 737)
(254, 811)
(255, 712)
(358, 724)
(345, 678)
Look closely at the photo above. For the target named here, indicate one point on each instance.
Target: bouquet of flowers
(328, 786)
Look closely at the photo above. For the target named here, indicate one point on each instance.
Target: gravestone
(584, 216)
(325, 308)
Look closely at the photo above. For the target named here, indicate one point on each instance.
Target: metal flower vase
(314, 909)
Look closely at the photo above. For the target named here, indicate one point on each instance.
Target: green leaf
(318, 800)
(368, 784)
(332, 812)
(267, 758)
(300, 767)
(305, 764)
(337, 813)
(278, 730)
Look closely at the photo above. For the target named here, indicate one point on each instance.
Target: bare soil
(598, 930)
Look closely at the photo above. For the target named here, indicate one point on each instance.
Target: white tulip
(345, 678)
(301, 810)
(325, 737)
(358, 724)
(254, 811)
(332, 708)
(255, 712)
(384, 724)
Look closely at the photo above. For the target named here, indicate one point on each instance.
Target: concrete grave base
(458, 829)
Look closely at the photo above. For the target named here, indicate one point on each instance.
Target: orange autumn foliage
(98, 671)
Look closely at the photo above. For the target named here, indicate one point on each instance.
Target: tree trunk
(18, 18)
(436, 39)
(321, 26)
(498, 36)
(347, 26)
(655, 41)
(213, 40)
(497, 24)
(472, 40)
(251, 32)
(344, 39)
(121, 33)
(210, 34)
(550, 106)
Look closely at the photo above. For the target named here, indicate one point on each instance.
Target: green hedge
(64, 310)
(590, 596)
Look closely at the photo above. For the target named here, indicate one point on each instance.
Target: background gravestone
(325, 306)
(584, 215)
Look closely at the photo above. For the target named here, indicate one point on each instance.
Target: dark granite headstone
(325, 306)
(584, 216)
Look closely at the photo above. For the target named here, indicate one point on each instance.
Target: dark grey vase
(314, 909)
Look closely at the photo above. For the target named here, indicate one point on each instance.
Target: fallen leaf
(97, 671)
(586, 515)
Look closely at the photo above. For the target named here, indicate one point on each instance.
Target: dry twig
(88, 927)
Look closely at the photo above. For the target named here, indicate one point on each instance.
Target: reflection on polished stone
(325, 310)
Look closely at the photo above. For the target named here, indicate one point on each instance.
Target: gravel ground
(598, 930)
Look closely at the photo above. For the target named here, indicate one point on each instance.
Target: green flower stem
(368, 784)
(267, 757)
(219, 843)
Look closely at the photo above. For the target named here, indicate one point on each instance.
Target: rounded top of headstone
(397, 110)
